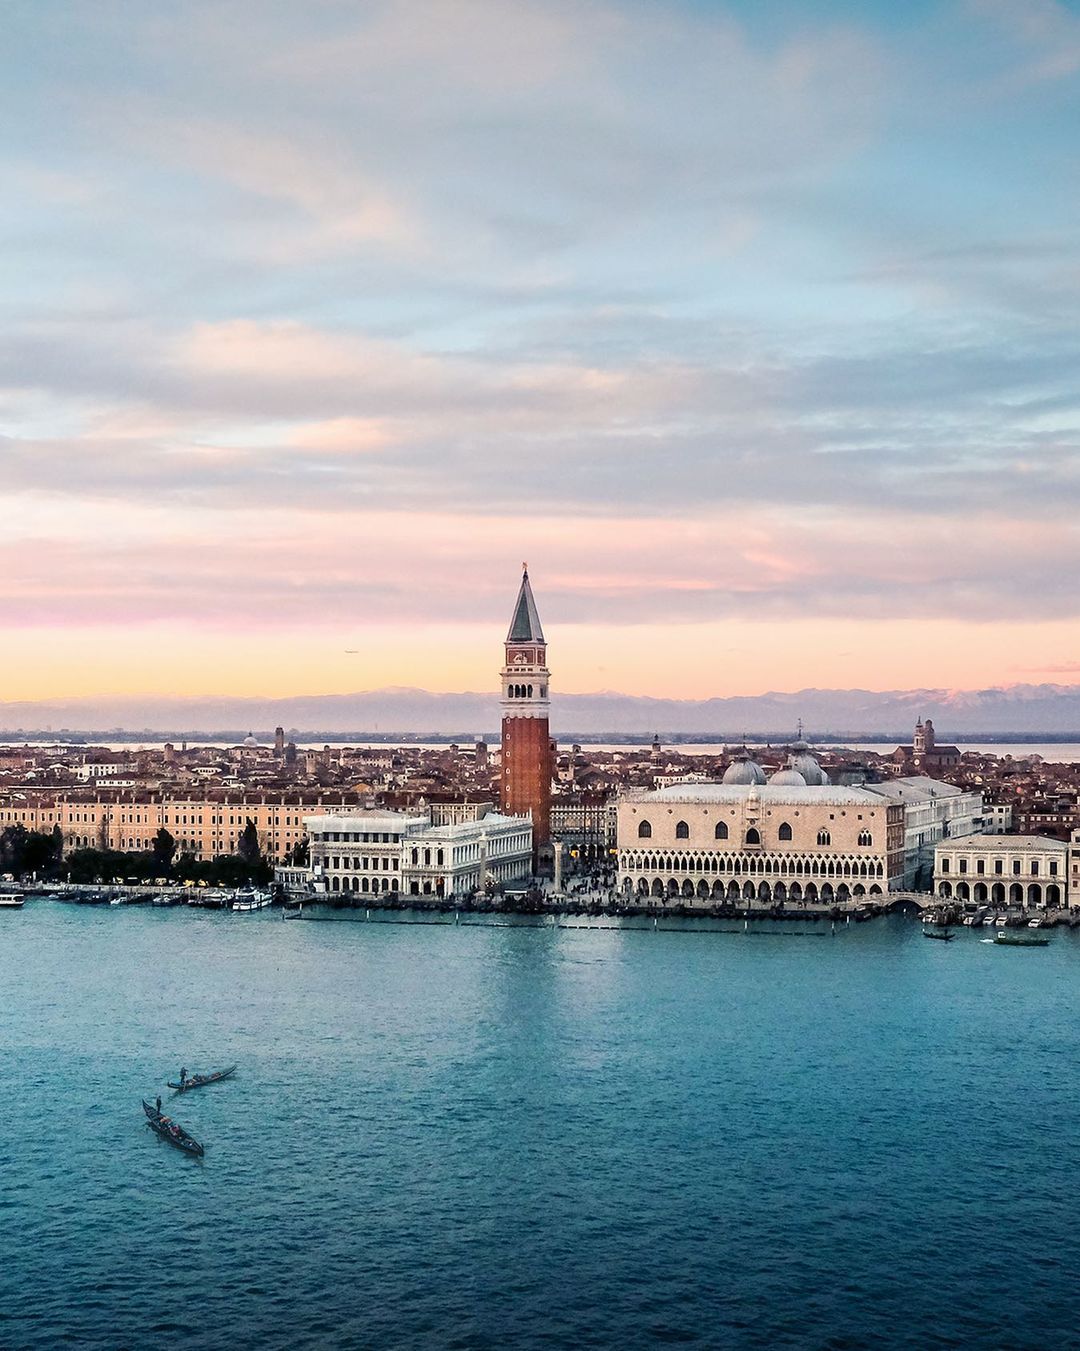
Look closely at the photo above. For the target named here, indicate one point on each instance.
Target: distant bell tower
(918, 744)
(526, 744)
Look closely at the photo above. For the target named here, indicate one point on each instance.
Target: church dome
(788, 778)
(811, 771)
(251, 739)
(743, 770)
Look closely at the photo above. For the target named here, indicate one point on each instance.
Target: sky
(751, 326)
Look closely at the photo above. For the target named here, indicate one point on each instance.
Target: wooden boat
(1008, 940)
(165, 1127)
(944, 936)
(198, 1080)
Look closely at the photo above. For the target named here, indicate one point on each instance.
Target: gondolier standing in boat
(159, 1105)
(183, 1075)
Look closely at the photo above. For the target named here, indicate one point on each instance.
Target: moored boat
(11, 900)
(1008, 940)
(943, 935)
(252, 900)
(165, 1127)
(199, 1080)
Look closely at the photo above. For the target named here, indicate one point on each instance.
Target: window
(682, 831)
(644, 831)
(1016, 867)
(980, 866)
(963, 865)
(944, 865)
(753, 835)
(1053, 867)
(1034, 867)
(785, 831)
(999, 866)
(720, 832)
(823, 837)
(865, 839)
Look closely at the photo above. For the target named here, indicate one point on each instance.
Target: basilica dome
(743, 770)
(808, 767)
(251, 740)
(788, 778)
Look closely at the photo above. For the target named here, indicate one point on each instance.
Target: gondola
(944, 936)
(167, 1129)
(198, 1080)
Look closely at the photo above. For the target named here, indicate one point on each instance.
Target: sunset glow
(756, 338)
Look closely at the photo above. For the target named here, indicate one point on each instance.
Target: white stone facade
(933, 811)
(359, 851)
(1027, 871)
(711, 844)
(380, 853)
(464, 856)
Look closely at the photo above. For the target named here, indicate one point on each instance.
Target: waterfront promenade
(578, 905)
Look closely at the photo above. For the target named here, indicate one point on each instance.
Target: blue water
(520, 1137)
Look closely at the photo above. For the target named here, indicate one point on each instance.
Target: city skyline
(750, 327)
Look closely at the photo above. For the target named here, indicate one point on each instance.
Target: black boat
(167, 1129)
(943, 935)
(198, 1080)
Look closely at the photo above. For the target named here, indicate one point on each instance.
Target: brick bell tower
(526, 744)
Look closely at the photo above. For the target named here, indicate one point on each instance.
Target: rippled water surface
(522, 1137)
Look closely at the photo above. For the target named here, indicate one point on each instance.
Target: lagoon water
(482, 1137)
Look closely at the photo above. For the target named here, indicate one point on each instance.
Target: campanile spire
(526, 745)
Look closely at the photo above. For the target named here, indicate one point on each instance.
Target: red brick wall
(526, 773)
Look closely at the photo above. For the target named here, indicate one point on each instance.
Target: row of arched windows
(520, 692)
(758, 864)
(753, 835)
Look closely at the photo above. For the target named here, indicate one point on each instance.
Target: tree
(300, 855)
(13, 848)
(250, 855)
(42, 851)
(30, 851)
(164, 850)
(248, 844)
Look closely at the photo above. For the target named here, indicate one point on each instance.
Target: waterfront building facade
(933, 811)
(379, 853)
(526, 764)
(1003, 870)
(747, 842)
(203, 827)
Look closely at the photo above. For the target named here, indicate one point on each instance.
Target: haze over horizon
(751, 327)
(1029, 711)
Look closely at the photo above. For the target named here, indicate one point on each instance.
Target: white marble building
(382, 852)
(786, 841)
(933, 811)
(1003, 870)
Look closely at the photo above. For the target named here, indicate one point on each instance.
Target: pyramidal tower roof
(525, 625)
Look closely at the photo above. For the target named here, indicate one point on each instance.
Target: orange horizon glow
(688, 661)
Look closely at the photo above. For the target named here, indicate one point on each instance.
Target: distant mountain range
(1026, 710)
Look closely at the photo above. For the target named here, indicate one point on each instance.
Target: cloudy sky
(751, 325)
